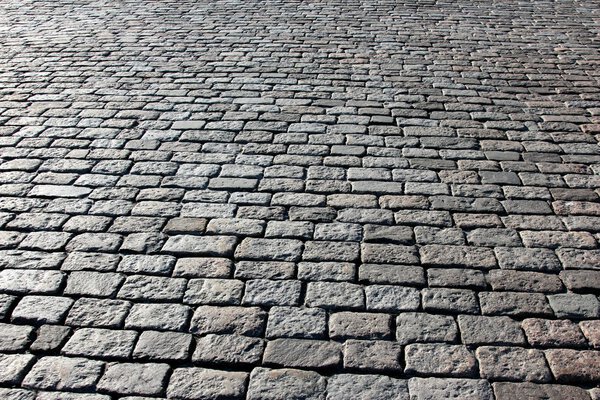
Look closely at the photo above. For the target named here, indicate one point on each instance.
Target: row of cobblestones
(279, 199)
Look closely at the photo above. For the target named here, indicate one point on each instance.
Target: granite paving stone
(283, 200)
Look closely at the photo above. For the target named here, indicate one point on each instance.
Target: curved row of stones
(291, 200)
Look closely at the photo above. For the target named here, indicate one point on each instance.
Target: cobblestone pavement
(279, 200)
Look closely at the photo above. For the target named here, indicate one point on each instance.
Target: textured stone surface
(439, 359)
(62, 373)
(202, 383)
(512, 363)
(366, 387)
(141, 379)
(368, 193)
(275, 384)
(449, 388)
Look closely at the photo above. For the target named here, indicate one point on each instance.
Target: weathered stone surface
(552, 333)
(50, 338)
(162, 346)
(98, 312)
(28, 281)
(271, 292)
(228, 349)
(512, 363)
(41, 309)
(296, 322)
(415, 327)
(203, 267)
(13, 367)
(249, 321)
(202, 383)
(591, 330)
(63, 373)
(514, 304)
(343, 325)
(97, 284)
(366, 387)
(476, 329)
(334, 295)
(527, 390)
(388, 254)
(460, 256)
(302, 353)
(372, 355)
(573, 365)
(269, 249)
(158, 316)
(450, 300)
(278, 384)
(15, 337)
(141, 379)
(213, 291)
(577, 306)
(449, 388)
(219, 246)
(401, 183)
(439, 359)
(100, 343)
(391, 298)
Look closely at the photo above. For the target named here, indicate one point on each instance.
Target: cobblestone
(299, 200)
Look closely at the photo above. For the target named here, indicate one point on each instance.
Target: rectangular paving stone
(512, 363)
(13, 367)
(100, 343)
(134, 379)
(439, 359)
(460, 256)
(302, 353)
(273, 384)
(202, 383)
(218, 246)
(28, 281)
(269, 249)
(162, 346)
(64, 373)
